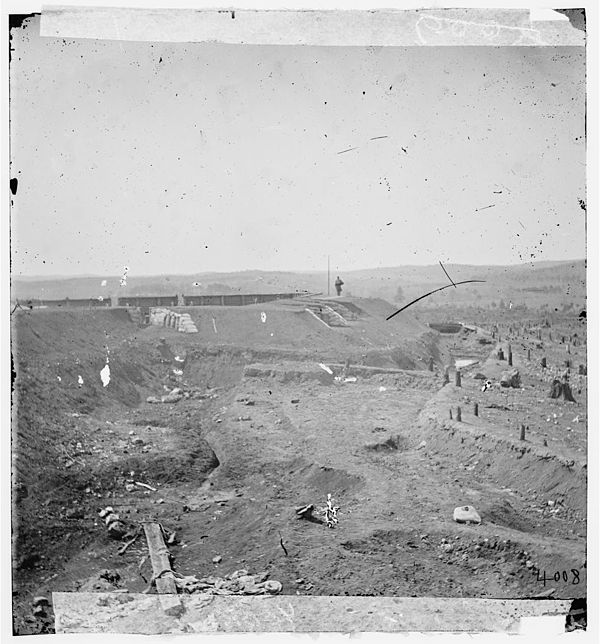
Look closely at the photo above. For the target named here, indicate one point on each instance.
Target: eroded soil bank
(265, 429)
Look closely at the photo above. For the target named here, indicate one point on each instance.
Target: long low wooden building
(236, 299)
(171, 301)
(148, 300)
(81, 303)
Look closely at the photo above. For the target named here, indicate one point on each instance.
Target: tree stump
(450, 414)
(544, 362)
(528, 355)
(430, 364)
(522, 432)
(500, 354)
(567, 393)
(458, 414)
(446, 377)
(457, 381)
(510, 359)
(476, 409)
(563, 389)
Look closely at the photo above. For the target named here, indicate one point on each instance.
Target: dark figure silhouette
(338, 285)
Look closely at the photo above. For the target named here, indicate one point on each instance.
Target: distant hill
(551, 283)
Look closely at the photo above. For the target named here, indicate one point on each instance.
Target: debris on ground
(239, 582)
(330, 512)
(486, 385)
(116, 528)
(306, 512)
(105, 580)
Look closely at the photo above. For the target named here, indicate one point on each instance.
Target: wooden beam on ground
(161, 570)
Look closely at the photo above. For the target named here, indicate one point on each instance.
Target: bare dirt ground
(269, 432)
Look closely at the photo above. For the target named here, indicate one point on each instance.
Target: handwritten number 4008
(558, 575)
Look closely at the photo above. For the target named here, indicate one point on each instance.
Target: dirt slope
(230, 465)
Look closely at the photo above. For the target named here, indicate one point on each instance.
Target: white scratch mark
(80, 380)
(214, 324)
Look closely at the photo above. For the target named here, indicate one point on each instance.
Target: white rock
(466, 514)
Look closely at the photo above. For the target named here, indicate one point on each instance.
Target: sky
(188, 158)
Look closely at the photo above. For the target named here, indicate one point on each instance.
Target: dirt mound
(502, 513)
(286, 324)
(289, 372)
(322, 480)
(392, 444)
(163, 469)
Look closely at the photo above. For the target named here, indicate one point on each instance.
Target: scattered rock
(217, 559)
(273, 587)
(171, 398)
(40, 601)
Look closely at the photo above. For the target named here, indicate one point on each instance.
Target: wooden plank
(161, 569)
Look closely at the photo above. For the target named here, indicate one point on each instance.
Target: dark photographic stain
(582, 205)
(577, 617)
(16, 20)
(576, 17)
(14, 184)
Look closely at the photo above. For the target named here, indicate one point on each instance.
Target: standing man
(338, 285)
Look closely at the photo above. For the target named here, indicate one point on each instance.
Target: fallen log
(162, 575)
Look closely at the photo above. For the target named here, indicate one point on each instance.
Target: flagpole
(328, 278)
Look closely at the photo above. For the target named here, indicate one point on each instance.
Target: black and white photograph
(298, 320)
